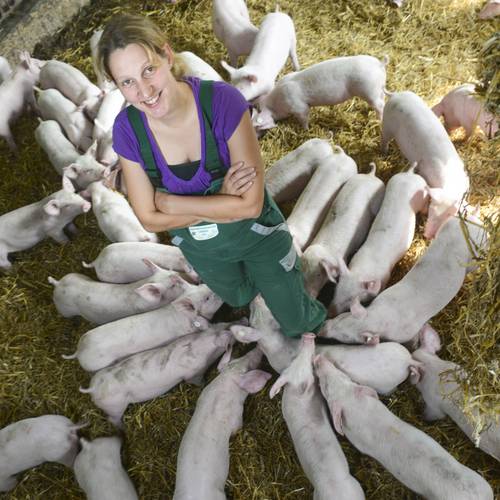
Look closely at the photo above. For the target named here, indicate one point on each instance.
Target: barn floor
(433, 45)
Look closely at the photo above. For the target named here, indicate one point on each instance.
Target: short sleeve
(124, 140)
(228, 107)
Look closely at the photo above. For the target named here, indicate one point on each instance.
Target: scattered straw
(434, 46)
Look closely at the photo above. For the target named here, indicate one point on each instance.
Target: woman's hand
(238, 179)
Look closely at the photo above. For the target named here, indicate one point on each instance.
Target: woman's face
(146, 84)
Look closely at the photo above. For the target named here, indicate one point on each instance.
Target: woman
(175, 143)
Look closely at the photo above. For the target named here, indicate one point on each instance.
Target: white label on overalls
(206, 232)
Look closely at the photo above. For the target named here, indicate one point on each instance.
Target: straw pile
(434, 46)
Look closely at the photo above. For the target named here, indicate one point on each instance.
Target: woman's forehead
(127, 59)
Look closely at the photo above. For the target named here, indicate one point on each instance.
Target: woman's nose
(145, 90)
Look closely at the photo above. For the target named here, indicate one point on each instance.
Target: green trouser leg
(281, 284)
(228, 280)
(258, 269)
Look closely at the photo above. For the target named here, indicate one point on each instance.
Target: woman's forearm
(215, 208)
(158, 221)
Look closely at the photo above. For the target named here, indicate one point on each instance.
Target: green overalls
(238, 260)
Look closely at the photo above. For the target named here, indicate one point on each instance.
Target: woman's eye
(149, 70)
(126, 83)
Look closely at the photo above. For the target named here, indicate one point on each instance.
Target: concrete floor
(32, 22)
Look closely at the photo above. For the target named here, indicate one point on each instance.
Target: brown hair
(126, 29)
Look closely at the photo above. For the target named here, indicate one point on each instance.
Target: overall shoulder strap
(134, 117)
(213, 163)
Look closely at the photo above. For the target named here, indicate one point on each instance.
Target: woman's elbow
(254, 210)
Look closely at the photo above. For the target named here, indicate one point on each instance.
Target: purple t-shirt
(228, 107)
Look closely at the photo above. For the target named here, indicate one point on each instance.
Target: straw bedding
(434, 46)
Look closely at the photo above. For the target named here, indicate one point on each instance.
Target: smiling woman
(193, 167)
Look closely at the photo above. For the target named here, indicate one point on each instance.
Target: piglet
(390, 236)
(312, 206)
(326, 83)
(123, 262)
(287, 178)
(413, 457)
(343, 231)
(401, 310)
(435, 378)
(423, 139)
(115, 216)
(306, 417)
(102, 82)
(274, 42)
(32, 441)
(17, 91)
(26, 226)
(111, 105)
(77, 295)
(203, 458)
(54, 106)
(64, 157)
(490, 9)
(110, 342)
(461, 108)
(73, 84)
(382, 367)
(5, 69)
(99, 471)
(196, 66)
(232, 26)
(105, 152)
(152, 373)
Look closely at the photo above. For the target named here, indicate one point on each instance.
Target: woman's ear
(169, 54)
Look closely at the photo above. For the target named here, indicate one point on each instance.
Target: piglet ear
(282, 380)
(227, 355)
(92, 150)
(151, 265)
(372, 286)
(151, 292)
(245, 334)
(429, 339)
(357, 310)
(253, 381)
(67, 185)
(252, 78)
(184, 305)
(71, 171)
(365, 391)
(228, 68)
(370, 339)
(331, 269)
(343, 269)
(52, 208)
(416, 372)
(336, 411)
(437, 195)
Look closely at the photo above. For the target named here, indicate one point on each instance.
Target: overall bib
(238, 260)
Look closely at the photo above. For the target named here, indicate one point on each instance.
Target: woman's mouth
(153, 101)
